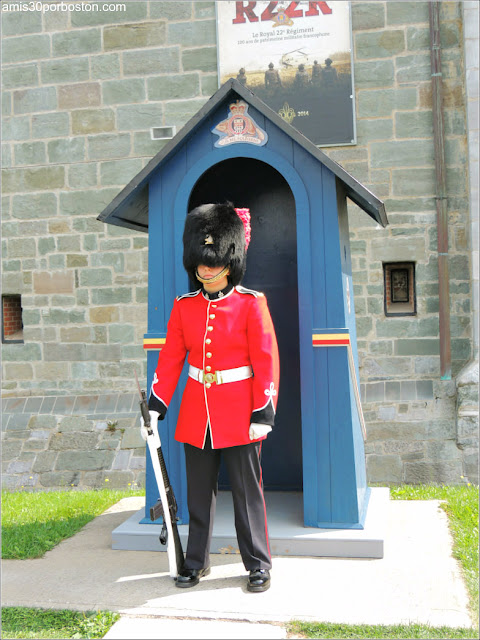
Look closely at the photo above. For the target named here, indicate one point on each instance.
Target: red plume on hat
(217, 235)
(244, 215)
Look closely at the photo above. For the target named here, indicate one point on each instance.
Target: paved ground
(416, 581)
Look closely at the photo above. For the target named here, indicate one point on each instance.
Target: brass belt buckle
(210, 377)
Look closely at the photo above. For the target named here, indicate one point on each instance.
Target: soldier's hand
(154, 415)
(257, 430)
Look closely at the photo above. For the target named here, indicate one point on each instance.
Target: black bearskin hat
(215, 236)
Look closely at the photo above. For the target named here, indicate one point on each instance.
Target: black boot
(259, 580)
(191, 577)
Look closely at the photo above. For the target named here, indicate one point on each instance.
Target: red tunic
(232, 331)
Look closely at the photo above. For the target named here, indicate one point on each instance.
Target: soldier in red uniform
(228, 406)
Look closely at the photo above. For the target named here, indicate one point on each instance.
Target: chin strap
(224, 272)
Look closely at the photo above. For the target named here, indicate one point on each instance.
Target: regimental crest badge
(281, 19)
(239, 127)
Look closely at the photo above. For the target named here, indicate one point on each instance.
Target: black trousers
(245, 474)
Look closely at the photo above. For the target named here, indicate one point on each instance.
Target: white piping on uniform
(270, 393)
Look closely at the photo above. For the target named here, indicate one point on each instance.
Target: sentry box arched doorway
(237, 148)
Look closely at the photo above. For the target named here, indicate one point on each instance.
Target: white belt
(220, 377)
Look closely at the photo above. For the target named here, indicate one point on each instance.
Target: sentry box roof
(130, 207)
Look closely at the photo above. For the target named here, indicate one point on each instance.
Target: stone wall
(81, 91)
(411, 413)
(52, 442)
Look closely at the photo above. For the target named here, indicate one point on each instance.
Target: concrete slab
(417, 580)
(183, 629)
(288, 536)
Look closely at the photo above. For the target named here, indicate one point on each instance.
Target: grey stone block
(107, 404)
(113, 479)
(440, 450)
(134, 36)
(375, 392)
(448, 472)
(20, 466)
(367, 15)
(153, 61)
(44, 461)
(203, 59)
(19, 76)
(70, 150)
(34, 100)
(74, 440)
(60, 479)
(65, 70)
(173, 87)
(15, 405)
(50, 125)
(85, 404)
(137, 464)
(122, 460)
(92, 121)
(105, 66)
(21, 22)
(16, 128)
(209, 84)
(408, 390)
(406, 12)
(73, 423)
(63, 404)
(47, 404)
(35, 445)
(10, 450)
(102, 147)
(132, 439)
(193, 34)
(119, 171)
(78, 42)
(384, 468)
(414, 125)
(42, 421)
(413, 347)
(25, 47)
(379, 368)
(108, 296)
(123, 91)
(424, 389)
(467, 430)
(127, 402)
(375, 73)
(380, 44)
(392, 391)
(84, 460)
(145, 116)
(171, 10)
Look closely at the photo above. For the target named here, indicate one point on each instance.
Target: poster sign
(297, 58)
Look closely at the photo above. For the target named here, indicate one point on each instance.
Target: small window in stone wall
(12, 325)
(400, 294)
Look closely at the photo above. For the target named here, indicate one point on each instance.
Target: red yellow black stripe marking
(330, 339)
(153, 343)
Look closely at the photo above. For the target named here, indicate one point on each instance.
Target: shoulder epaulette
(192, 294)
(252, 292)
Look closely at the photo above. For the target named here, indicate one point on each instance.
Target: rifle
(166, 505)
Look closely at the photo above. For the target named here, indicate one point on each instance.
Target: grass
(34, 523)
(21, 622)
(327, 630)
(461, 505)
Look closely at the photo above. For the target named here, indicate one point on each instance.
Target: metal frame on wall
(298, 58)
